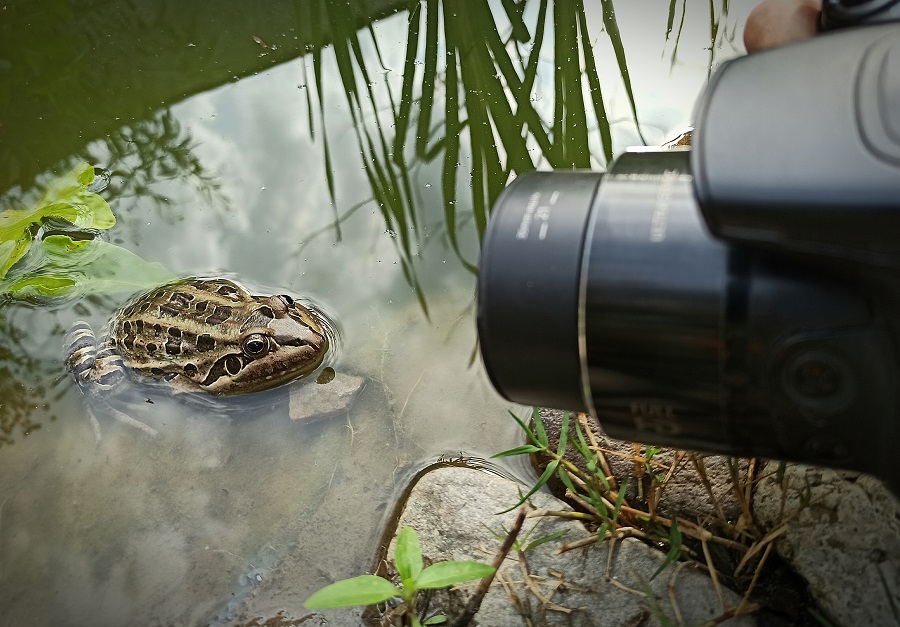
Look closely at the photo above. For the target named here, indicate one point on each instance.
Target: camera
(741, 296)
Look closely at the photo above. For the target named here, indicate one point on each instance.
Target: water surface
(263, 146)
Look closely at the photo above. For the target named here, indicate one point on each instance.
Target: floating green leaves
(50, 250)
(67, 198)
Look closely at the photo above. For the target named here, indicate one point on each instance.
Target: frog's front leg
(97, 367)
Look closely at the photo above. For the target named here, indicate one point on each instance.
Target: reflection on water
(357, 162)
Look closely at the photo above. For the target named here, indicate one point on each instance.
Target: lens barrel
(608, 294)
(528, 288)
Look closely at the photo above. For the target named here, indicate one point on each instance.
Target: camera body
(741, 296)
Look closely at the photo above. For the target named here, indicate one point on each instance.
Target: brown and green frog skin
(201, 334)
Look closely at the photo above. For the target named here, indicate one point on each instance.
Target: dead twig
(475, 602)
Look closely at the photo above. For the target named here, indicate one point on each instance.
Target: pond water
(264, 147)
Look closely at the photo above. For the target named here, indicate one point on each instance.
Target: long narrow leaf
(674, 549)
(401, 119)
(545, 476)
(590, 69)
(539, 430)
(615, 37)
(429, 75)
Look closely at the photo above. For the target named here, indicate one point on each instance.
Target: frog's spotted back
(208, 333)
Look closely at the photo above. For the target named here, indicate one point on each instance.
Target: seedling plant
(371, 589)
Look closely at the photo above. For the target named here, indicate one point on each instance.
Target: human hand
(774, 23)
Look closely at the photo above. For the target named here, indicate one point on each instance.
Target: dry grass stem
(714, 575)
(744, 605)
(765, 542)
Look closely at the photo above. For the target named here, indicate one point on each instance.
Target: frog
(203, 335)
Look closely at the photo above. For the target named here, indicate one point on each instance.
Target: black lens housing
(607, 293)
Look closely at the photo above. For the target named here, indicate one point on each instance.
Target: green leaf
(622, 490)
(59, 266)
(445, 574)
(601, 532)
(437, 619)
(362, 590)
(545, 476)
(674, 548)
(540, 541)
(525, 428)
(408, 555)
(519, 450)
(65, 198)
(539, 428)
(563, 435)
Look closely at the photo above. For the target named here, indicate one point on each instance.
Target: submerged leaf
(62, 267)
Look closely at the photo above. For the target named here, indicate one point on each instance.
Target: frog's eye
(255, 344)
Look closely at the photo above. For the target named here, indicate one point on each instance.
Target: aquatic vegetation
(51, 250)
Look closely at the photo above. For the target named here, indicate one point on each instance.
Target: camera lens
(607, 293)
(528, 287)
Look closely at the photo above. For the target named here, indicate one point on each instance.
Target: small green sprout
(370, 589)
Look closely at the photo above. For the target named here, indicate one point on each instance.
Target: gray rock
(313, 400)
(453, 510)
(842, 534)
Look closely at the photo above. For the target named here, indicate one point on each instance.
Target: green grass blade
(514, 13)
(519, 450)
(593, 77)
(429, 75)
(545, 539)
(670, 21)
(531, 434)
(401, 118)
(622, 490)
(678, 37)
(601, 532)
(674, 549)
(329, 170)
(539, 430)
(545, 476)
(612, 28)
(563, 435)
